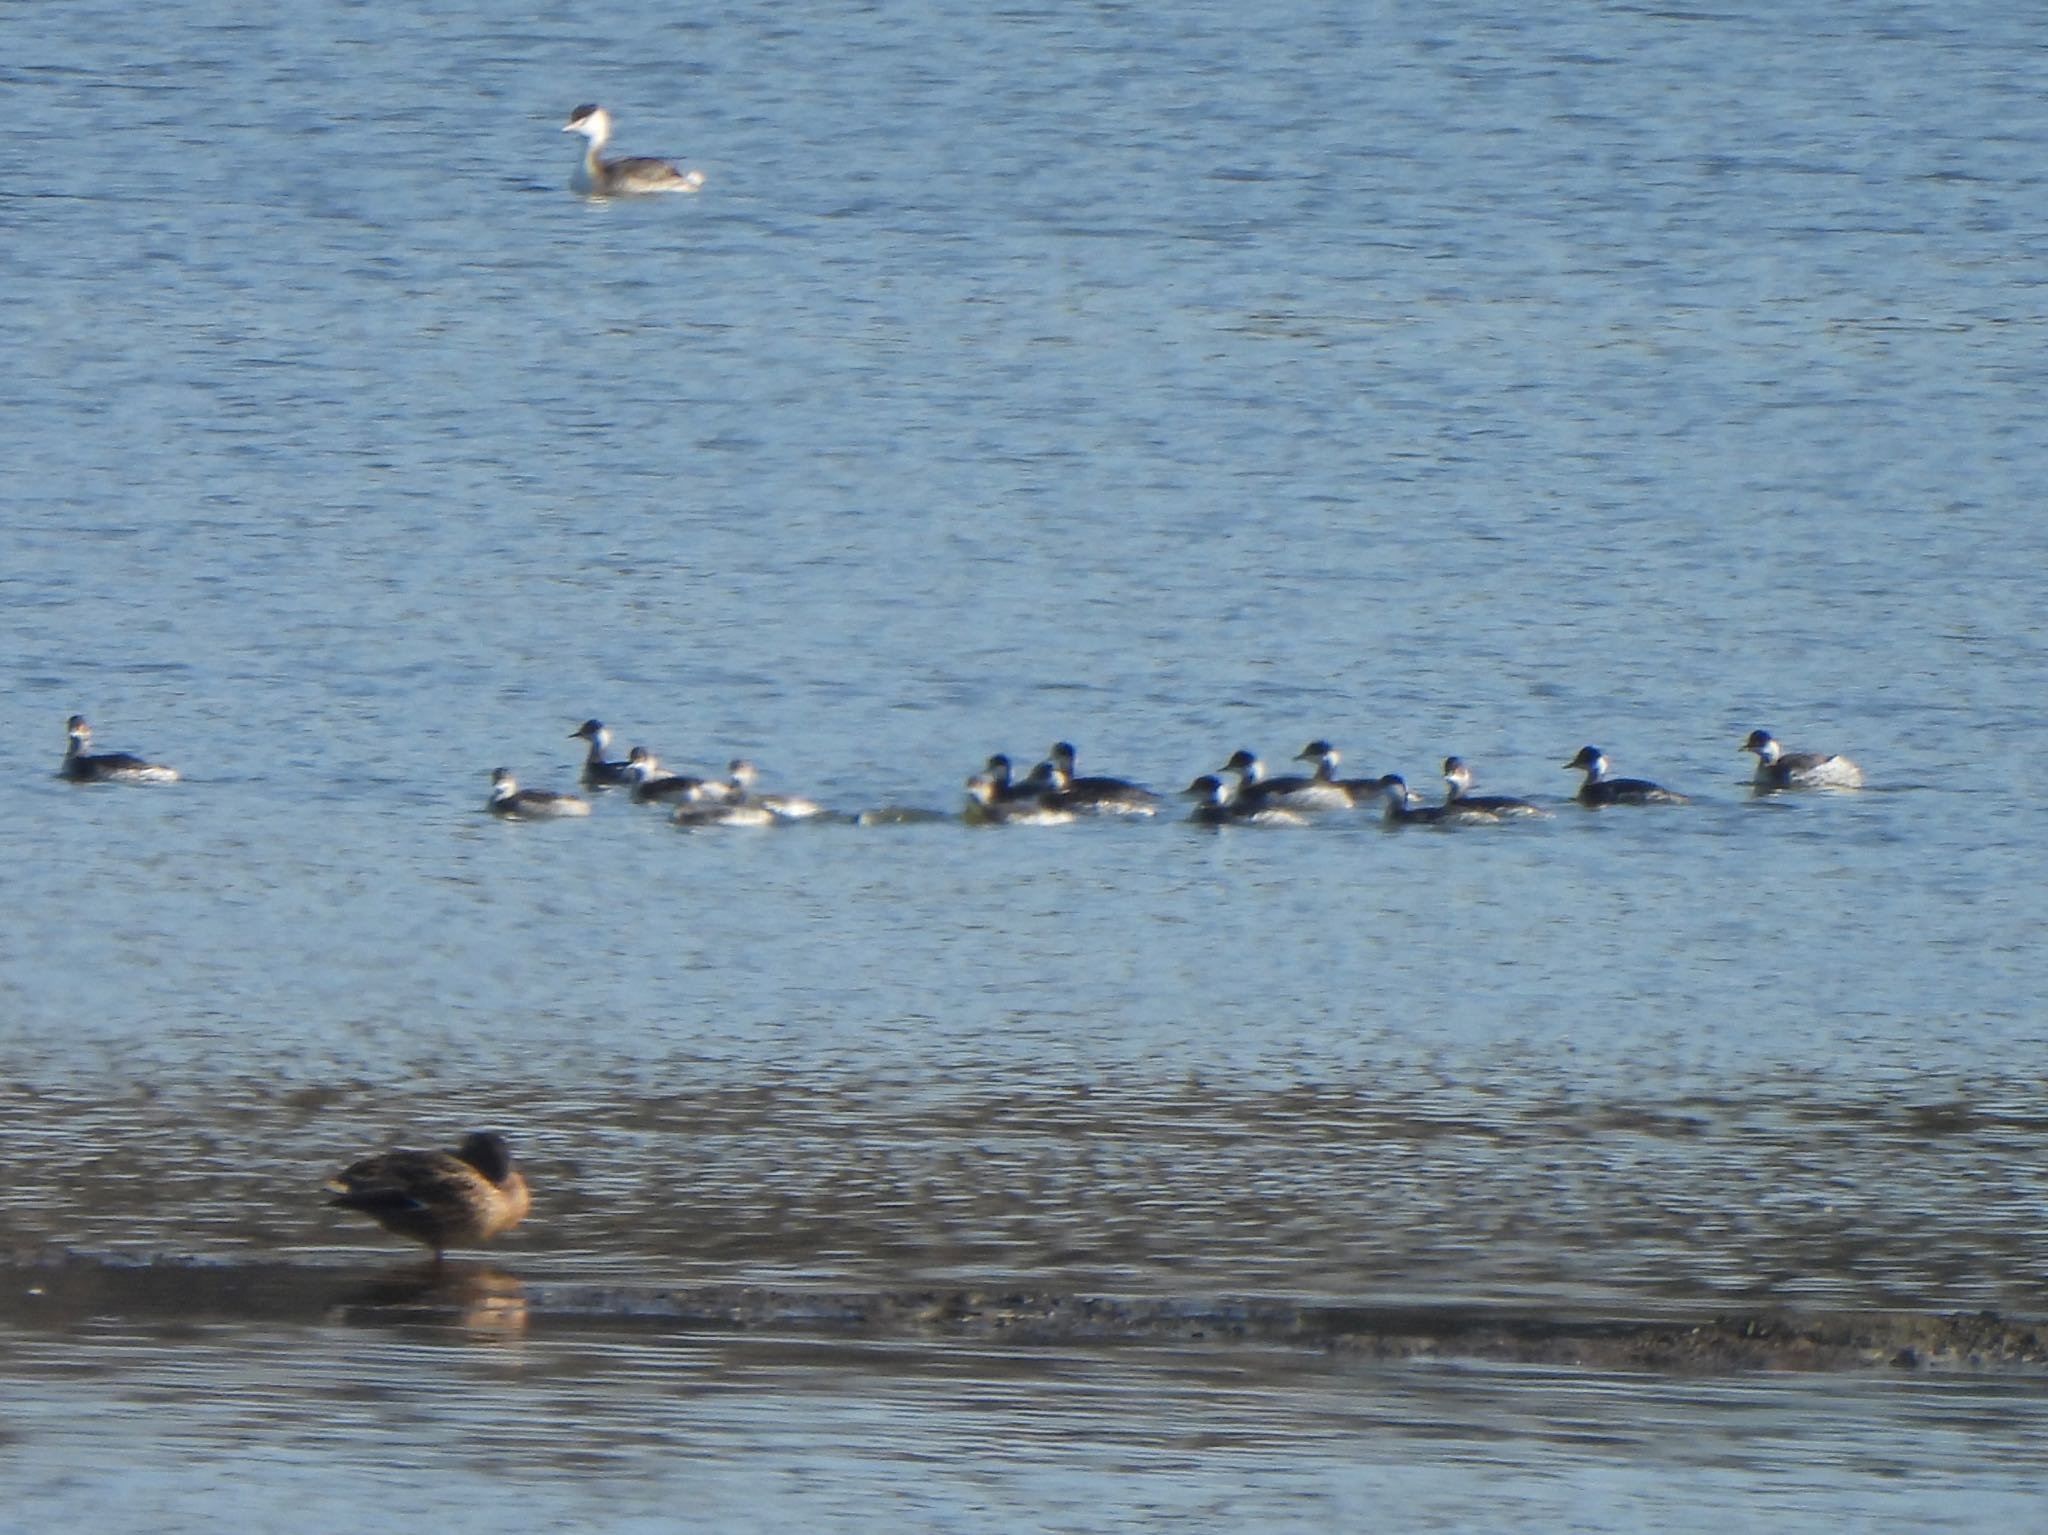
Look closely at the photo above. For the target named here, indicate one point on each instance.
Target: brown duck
(459, 1198)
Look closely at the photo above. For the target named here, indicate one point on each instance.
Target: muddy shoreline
(62, 1294)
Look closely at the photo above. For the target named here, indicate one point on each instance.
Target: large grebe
(1599, 789)
(517, 804)
(81, 766)
(1326, 758)
(1095, 794)
(598, 771)
(1296, 792)
(459, 1198)
(987, 807)
(1457, 791)
(627, 174)
(1777, 768)
(1403, 811)
(653, 782)
(741, 776)
(1219, 802)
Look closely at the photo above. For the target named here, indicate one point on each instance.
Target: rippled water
(1171, 380)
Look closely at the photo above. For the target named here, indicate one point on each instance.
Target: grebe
(1255, 789)
(1097, 795)
(1777, 768)
(1402, 811)
(81, 766)
(459, 1198)
(1031, 786)
(1217, 803)
(1458, 777)
(1326, 758)
(628, 174)
(651, 783)
(597, 772)
(517, 804)
(699, 809)
(1599, 789)
(783, 807)
(986, 807)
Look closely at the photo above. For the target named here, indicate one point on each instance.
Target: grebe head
(1456, 772)
(77, 729)
(1395, 787)
(742, 773)
(981, 788)
(1209, 787)
(1764, 745)
(1591, 760)
(592, 121)
(592, 731)
(1246, 765)
(1062, 757)
(503, 784)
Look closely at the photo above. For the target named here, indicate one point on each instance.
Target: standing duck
(443, 1199)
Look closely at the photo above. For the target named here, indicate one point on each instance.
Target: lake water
(1477, 378)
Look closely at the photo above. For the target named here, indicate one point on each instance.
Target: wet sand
(57, 1293)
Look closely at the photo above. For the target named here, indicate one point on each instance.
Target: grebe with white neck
(627, 175)
(1777, 768)
(1402, 810)
(517, 804)
(1457, 787)
(1599, 790)
(598, 771)
(81, 766)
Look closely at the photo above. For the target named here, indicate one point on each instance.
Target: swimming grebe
(783, 807)
(517, 804)
(597, 772)
(1599, 789)
(700, 809)
(650, 782)
(986, 806)
(1255, 789)
(1458, 778)
(1777, 768)
(628, 174)
(107, 767)
(459, 1198)
(1094, 794)
(1403, 811)
(1217, 803)
(1326, 757)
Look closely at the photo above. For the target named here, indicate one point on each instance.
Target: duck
(627, 175)
(741, 775)
(1326, 758)
(1095, 795)
(598, 773)
(1296, 792)
(1217, 803)
(1458, 781)
(986, 807)
(81, 766)
(1403, 811)
(441, 1199)
(517, 804)
(1599, 789)
(1777, 768)
(651, 783)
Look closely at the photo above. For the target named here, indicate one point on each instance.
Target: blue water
(1475, 379)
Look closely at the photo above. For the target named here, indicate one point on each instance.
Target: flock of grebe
(1240, 792)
